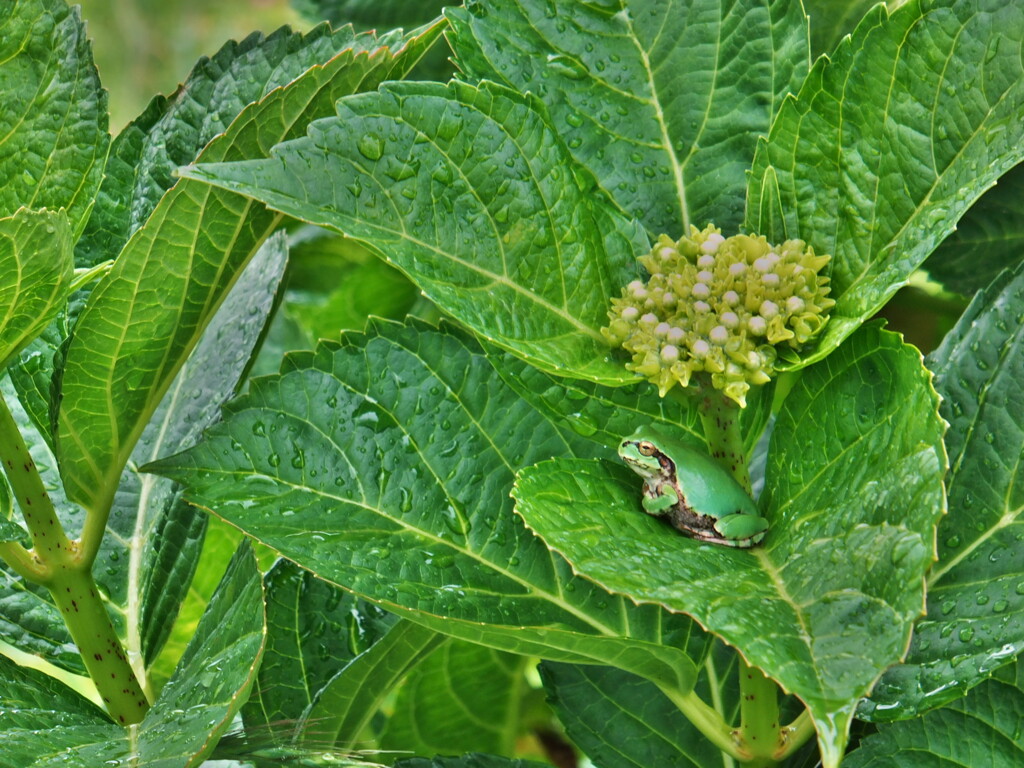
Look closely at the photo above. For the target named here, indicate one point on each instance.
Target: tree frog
(696, 493)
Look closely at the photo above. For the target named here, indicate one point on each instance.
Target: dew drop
(371, 146)
(274, 460)
(1000, 605)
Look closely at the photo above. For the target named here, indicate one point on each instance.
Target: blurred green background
(145, 47)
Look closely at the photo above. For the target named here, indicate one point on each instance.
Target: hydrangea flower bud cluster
(727, 306)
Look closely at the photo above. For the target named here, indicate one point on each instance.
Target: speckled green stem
(760, 734)
(58, 564)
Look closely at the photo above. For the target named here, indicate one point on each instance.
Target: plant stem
(58, 563)
(760, 736)
(721, 420)
(759, 712)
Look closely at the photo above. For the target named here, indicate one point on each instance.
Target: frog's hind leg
(741, 530)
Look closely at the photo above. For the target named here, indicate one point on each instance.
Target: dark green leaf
(461, 698)
(172, 131)
(975, 619)
(988, 239)
(145, 317)
(36, 271)
(468, 761)
(383, 464)
(891, 140)
(826, 604)
(606, 414)
(53, 125)
(663, 102)
(345, 707)
(983, 730)
(313, 630)
(470, 193)
(32, 375)
(622, 721)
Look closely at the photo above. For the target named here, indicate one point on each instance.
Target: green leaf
(988, 239)
(607, 414)
(54, 121)
(195, 706)
(334, 465)
(35, 276)
(346, 706)
(172, 131)
(128, 344)
(32, 375)
(891, 140)
(475, 198)
(975, 613)
(467, 761)
(622, 721)
(313, 630)
(153, 537)
(461, 698)
(983, 730)
(663, 102)
(827, 603)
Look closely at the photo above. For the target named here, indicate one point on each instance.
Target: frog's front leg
(741, 530)
(658, 500)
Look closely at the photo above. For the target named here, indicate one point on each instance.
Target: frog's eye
(645, 448)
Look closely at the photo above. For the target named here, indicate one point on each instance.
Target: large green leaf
(853, 491)
(145, 317)
(383, 464)
(147, 559)
(314, 630)
(988, 239)
(461, 698)
(890, 141)
(606, 414)
(983, 730)
(472, 760)
(470, 193)
(195, 706)
(662, 101)
(172, 131)
(622, 721)
(53, 125)
(36, 271)
(975, 619)
(343, 709)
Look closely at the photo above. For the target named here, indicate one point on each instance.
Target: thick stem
(759, 712)
(720, 417)
(760, 735)
(79, 602)
(58, 563)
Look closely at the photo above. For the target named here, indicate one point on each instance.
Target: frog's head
(641, 452)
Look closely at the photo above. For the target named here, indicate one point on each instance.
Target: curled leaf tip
(727, 306)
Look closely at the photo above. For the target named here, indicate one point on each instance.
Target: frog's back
(703, 478)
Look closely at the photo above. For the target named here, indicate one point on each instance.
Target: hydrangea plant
(445, 495)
